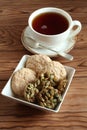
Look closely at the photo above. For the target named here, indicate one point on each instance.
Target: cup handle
(76, 28)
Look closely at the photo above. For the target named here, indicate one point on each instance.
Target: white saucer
(69, 44)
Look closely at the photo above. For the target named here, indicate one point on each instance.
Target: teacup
(52, 26)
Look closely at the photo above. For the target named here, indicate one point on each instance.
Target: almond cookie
(20, 79)
(55, 68)
(37, 62)
(59, 68)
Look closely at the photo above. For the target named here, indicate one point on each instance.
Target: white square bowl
(7, 91)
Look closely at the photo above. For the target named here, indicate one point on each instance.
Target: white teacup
(57, 38)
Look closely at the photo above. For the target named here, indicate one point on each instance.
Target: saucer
(69, 44)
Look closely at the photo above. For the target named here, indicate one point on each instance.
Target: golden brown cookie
(55, 68)
(59, 69)
(37, 62)
(20, 79)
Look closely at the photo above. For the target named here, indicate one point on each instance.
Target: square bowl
(7, 91)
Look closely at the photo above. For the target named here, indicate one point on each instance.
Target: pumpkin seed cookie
(20, 79)
(30, 92)
(49, 97)
(45, 91)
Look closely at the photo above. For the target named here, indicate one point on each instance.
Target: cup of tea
(52, 26)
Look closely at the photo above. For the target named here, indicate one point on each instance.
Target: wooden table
(73, 112)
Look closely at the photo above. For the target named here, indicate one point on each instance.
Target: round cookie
(20, 79)
(59, 68)
(56, 68)
(37, 62)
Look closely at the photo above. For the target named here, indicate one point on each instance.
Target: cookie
(20, 79)
(55, 68)
(37, 62)
(59, 69)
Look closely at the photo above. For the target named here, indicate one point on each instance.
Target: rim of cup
(47, 10)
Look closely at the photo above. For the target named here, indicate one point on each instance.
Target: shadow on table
(24, 111)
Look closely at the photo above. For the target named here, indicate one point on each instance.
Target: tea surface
(50, 23)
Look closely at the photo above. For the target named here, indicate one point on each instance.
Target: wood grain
(73, 113)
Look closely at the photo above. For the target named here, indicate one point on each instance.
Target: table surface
(73, 113)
